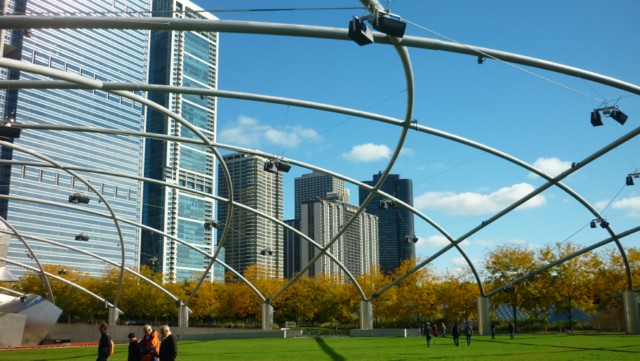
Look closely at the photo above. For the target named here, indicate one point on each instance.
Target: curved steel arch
(35, 258)
(91, 254)
(258, 28)
(64, 280)
(615, 83)
(318, 106)
(89, 186)
(564, 259)
(341, 110)
(150, 229)
(97, 85)
(10, 291)
(410, 85)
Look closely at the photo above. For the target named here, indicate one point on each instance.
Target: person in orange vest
(149, 344)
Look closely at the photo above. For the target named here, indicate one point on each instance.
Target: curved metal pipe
(188, 245)
(63, 280)
(408, 71)
(565, 258)
(437, 45)
(42, 272)
(318, 106)
(91, 254)
(257, 28)
(90, 187)
(14, 64)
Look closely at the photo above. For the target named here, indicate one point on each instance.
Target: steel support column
(366, 315)
(183, 315)
(113, 315)
(267, 316)
(484, 316)
(631, 313)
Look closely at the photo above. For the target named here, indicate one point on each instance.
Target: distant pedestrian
(511, 330)
(443, 329)
(428, 333)
(468, 331)
(134, 348)
(493, 331)
(105, 345)
(169, 345)
(435, 330)
(455, 333)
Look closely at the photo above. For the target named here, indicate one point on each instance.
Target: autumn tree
(383, 304)
(416, 298)
(458, 293)
(505, 264)
(568, 282)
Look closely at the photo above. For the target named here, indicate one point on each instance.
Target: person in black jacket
(428, 333)
(105, 345)
(455, 332)
(169, 344)
(134, 348)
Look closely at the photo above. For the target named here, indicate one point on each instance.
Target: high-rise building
(105, 55)
(310, 186)
(316, 185)
(189, 59)
(357, 247)
(291, 253)
(396, 235)
(253, 239)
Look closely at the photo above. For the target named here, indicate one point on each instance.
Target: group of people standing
(151, 347)
(431, 331)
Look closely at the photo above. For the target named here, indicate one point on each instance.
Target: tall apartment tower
(316, 185)
(188, 59)
(310, 186)
(35, 199)
(357, 247)
(396, 235)
(253, 239)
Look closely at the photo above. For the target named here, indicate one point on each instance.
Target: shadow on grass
(566, 348)
(329, 351)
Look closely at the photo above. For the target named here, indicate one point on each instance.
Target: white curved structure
(26, 320)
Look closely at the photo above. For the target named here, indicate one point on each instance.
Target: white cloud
(518, 241)
(551, 166)
(369, 152)
(251, 133)
(631, 205)
(459, 261)
(407, 151)
(470, 203)
(485, 243)
(436, 241)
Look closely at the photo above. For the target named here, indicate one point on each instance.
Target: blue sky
(537, 116)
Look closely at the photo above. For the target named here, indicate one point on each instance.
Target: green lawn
(537, 347)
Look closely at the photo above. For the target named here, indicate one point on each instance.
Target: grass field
(548, 347)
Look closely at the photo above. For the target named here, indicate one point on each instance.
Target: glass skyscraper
(396, 232)
(189, 59)
(105, 55)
